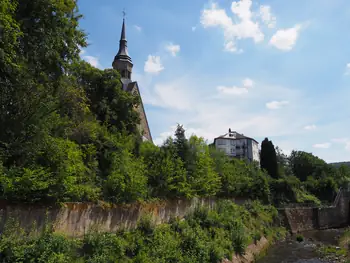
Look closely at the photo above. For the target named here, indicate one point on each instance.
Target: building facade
(123, 63)
(239, 146)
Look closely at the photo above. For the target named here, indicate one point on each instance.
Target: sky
(268, 68)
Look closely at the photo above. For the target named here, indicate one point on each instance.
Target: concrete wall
(309, 218)
(75, 219)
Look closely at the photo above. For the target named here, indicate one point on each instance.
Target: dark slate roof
(129, 88)
(123, 47)
(237, 136)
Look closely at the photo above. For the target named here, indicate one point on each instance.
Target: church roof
(234, 136)
(129, 88)
(123, 47)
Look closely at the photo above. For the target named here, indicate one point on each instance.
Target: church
(122, 62)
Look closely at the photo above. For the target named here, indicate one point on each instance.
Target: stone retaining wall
(310, 218)
(76, 219)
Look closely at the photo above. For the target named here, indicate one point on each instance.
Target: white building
(237, 145)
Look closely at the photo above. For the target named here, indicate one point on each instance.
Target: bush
(204, 236)
(299, 238)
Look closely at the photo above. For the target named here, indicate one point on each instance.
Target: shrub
(299, 238)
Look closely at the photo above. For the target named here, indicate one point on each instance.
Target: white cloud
(274, 105)
(347, 69)
(93, 61)
(241, 27)
(193, 100)
(266, 16)
(344, 141)
(230, 46)
(173, 49)
(232, 90)
(174, 95)
(340, 140)
(325, 145)
(138, 28)
(310, 127)
(194, 28)
(247, 83)
(285, 39)
(153, 65)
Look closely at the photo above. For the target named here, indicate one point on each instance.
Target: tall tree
(39, 41)
(268, 158)
(181, 143)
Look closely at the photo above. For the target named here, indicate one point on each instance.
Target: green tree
(202, 176)
(126, 181)
(111, 105)
(181, 143)
(268, 158)
(41, 39)
(167, 176)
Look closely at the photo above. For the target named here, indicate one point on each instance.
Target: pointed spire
(123, 47)
(122, 61)
(122, 37)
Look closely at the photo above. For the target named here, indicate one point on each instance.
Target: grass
(333, 251)
(344, 240)
(341, 252)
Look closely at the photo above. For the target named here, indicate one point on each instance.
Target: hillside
(338, 164)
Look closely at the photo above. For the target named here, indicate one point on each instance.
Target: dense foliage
(268, 158)
(205, 236)
(305, 178)
(68, 132)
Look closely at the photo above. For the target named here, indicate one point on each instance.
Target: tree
(203, 179)
(181, 143)
(167, 176)
(268, 158)
(108, 102)
(40, 39)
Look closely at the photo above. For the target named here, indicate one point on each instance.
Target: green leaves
(126, 181)
(268, 158)
(204, 236)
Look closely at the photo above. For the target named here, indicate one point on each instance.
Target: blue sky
(276, 69)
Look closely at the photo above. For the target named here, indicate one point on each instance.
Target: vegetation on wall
(69, 131)
(205, 236)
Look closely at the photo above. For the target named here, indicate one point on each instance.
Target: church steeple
(122, 61)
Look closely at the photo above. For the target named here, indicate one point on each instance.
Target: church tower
(122, 62)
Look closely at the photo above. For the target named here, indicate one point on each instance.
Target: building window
(238, 147)
(221, 142)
